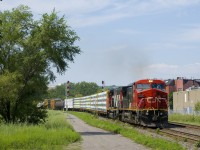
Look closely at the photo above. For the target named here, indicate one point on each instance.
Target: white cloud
(193, 68)
(82, 21)
(166, 71)
(115, 10)
(184, 37)
(92, 12)
(162, 67)
(168, 3)
(191, 35)
(128, 31)
(71, 6)
(171, 45)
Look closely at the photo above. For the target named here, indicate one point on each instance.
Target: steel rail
(181, 134)
(184, 125)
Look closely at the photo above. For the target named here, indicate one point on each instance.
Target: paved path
(98, 139)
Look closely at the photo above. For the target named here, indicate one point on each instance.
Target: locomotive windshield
(143, 86)
(158, 86)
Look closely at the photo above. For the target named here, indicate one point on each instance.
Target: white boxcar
(101, 101)
(95, 102)
(98, 102)
(69, 104)
(85, 103)
(77, 103)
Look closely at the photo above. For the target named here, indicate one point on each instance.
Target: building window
(180, 89)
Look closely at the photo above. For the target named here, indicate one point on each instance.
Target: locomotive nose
(159, 94)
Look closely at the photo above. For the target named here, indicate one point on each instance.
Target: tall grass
(129, 132)
(55, 134)
(191, 119)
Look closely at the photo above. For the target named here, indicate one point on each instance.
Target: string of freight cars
(143, 102)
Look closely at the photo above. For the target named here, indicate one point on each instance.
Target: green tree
(57, 92)
(86, 88)
(76, 90)
(170, 100)
(29, 50)
(197, 107)
(0, 28)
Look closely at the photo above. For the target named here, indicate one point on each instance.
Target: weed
(198, 144)
(158, 130)
(54, 134)
(185, 140)
(183, 118)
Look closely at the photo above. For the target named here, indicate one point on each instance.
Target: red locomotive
(144, 102)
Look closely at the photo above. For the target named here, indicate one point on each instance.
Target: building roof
(170, 82)
(197, 80)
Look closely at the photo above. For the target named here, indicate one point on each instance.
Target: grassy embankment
(128, 131)
(188, 119)
(55, 134)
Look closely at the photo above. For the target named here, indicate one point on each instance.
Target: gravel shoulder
(98, 139)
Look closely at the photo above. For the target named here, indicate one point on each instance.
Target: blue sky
(123, 41)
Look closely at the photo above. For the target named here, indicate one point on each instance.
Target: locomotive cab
(143, 102)
(151, 102)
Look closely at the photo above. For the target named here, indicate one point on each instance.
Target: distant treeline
(75, 90)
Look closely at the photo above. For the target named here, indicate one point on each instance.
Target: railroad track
(182, 131)
(181, 135)
(179, 131)
(184, 125)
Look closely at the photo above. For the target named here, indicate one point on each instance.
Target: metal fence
(185, 111)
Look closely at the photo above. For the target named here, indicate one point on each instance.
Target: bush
(32, 115)
(197, 144)
(190, 119)
(197, 107)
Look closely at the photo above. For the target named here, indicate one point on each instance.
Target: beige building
(184, 101)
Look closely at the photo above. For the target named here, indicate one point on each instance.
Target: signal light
(67, 88)
(102, 86)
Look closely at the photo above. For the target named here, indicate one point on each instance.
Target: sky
(126, 40)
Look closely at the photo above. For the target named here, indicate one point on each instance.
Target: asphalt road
(98, 139)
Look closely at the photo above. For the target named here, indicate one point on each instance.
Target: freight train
(54, 104)
(144, 102)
